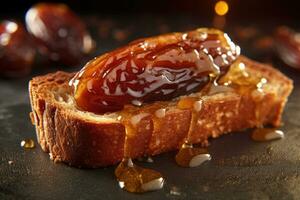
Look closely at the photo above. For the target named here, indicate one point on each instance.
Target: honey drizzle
(193, 104)
(137, 179)
(237, 79)
(130, 130)
(189, 155)
(131, 177)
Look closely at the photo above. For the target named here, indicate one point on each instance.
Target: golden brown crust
(82, 142)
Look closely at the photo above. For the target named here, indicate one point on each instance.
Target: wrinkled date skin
(17, 51)
(153, 69)
(61, 35)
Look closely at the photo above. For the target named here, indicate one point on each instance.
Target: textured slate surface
(239, 169)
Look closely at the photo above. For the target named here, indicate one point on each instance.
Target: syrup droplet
(133, 178)
(189, 156)
(266, 134)
(27, 144)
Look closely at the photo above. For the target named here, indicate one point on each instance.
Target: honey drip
(266, 134)
(129, 122)
(188, 155)
(131, 117)
(137, 179)
(133, 178)
(27, 144)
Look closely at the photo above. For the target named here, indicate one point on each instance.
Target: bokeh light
(221, 8)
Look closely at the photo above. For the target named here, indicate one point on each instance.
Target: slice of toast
(84, 139)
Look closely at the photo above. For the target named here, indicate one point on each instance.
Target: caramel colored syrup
(130, 120)
(131, 117)
(189, 155)
(153, 69)
(27, 144)
(266, 134)
(133, 178)
(249, 85)
(240, 79)
(195, 105)
(136, 179)
(245, 83)
(237, 79)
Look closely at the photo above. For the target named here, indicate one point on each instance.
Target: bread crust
(83, 142)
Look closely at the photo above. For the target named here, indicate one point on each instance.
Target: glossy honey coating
(60, 33)
(153, 69)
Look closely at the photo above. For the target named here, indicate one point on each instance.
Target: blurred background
(239, 9)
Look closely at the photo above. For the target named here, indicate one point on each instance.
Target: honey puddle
(27, 144)
(266, 134)
(189, 156)
(133, 178)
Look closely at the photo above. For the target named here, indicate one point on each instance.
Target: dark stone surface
(239, 169)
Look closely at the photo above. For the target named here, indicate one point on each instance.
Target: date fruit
(17, 51)
(153, 69)
(288, 46)
(60, 33)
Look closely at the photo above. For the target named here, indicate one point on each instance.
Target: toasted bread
(84, 139)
